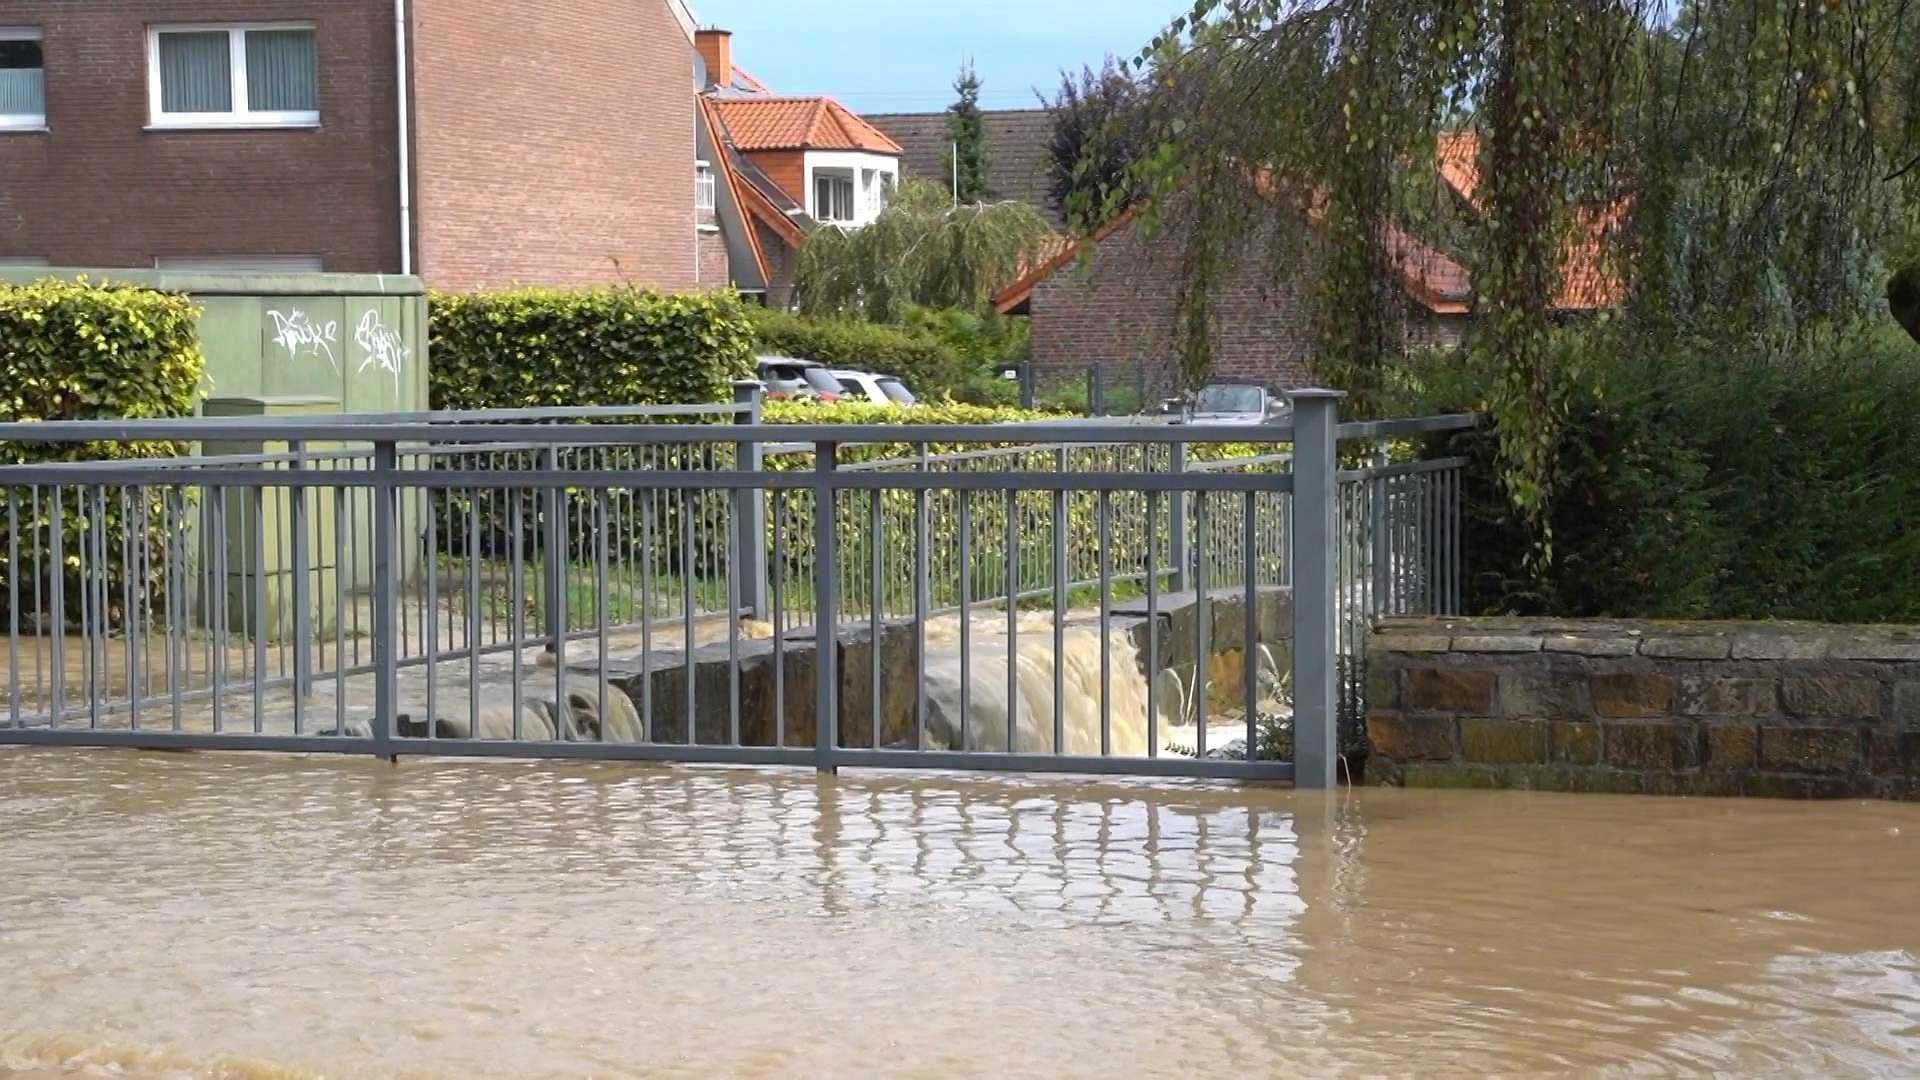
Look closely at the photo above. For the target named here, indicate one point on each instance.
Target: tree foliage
(969, 131)
(1741, 166)
(1102, 129)
(922, 249)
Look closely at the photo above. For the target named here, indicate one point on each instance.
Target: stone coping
(1658, 639)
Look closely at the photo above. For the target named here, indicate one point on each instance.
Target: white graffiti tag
(383, 345)
(301, 336)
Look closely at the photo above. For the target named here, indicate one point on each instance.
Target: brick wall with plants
(70, 350)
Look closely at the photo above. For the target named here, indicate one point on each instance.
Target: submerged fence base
(1109, 599)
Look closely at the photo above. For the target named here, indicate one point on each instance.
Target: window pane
(23, 87)
(195, 73)
(281, 71)
(823, 197)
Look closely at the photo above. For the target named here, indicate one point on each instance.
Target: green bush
(70, 350)
(1694, 484)
(618, 346)
(931, 368)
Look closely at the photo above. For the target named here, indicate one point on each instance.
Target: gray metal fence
(648, 585)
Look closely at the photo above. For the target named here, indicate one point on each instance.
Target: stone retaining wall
(1765, 709)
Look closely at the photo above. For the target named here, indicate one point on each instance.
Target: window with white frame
(241, 75)
(702, 186)
(23, 81)
(833, 196)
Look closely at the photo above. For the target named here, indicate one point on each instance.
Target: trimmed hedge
(528, 348)
(931, 368)
(1697, 484)
(70, 350)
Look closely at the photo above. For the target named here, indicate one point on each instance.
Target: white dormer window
(233, 75)
(833, 196)
(703, 186)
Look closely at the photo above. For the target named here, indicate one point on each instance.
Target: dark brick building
(1112, 302)
(544, 143)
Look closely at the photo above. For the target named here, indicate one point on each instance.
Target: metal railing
(646, 584)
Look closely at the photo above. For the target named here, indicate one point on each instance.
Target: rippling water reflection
(200, 914)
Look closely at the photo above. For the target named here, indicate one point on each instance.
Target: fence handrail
(1419, 425)
(283, 429)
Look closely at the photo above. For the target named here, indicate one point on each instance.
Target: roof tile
(786, 123)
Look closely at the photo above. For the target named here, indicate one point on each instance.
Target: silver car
(1233, 403)
(804, 380)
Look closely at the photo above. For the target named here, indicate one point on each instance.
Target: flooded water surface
(233, 915)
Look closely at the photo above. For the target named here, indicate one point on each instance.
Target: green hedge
(70, 350)
(544, 347)
(1694, 484)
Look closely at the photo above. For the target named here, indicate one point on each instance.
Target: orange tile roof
(1458, 159)
(784, 123)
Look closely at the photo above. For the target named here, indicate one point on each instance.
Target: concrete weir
(1117, 687)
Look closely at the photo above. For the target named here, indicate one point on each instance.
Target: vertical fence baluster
(1013, 616)
(1250, 648)
(1062, 522)
(1153, 622)
(1103, 509)
(826, 698)
(1202, 619)
(777, 573)
(922, 603)
(387, 619)
(966, 623)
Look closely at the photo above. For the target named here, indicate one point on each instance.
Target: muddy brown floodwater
(239, 916)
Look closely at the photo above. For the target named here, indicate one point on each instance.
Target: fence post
(386, 616)
(1380, 592)
(826, 561)
(1315, 484)
(1177, 523)
(302, 614)
(1096, 390)
(1026, 384)
(750, 508)
(553, 540)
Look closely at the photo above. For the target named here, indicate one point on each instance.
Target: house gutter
(405, 141)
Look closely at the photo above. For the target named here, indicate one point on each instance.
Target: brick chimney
(716, 50)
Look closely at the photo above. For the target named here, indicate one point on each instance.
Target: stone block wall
(1761, 709)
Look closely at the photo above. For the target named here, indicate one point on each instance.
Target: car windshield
(821, 380)
(1230, 399)
(897, 392)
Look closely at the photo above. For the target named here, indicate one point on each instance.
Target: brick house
(274, 134)
(782, 167)
(1111, 299)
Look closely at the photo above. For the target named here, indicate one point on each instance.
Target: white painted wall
(868, 171)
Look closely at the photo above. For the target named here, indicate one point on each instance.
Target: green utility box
(270, 539)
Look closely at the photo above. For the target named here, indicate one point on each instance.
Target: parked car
(805, 380)
(878, 389)
(1232, 403)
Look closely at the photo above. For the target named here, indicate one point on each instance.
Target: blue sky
(901, 55)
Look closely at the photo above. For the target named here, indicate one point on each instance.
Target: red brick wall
(99, 190)
(713, 261)
(780, 267)
(1118, 310)
(555, 143)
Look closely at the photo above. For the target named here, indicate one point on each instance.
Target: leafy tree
(1740, 164)
(922, 249)
(969, 132)
(1102, 129)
